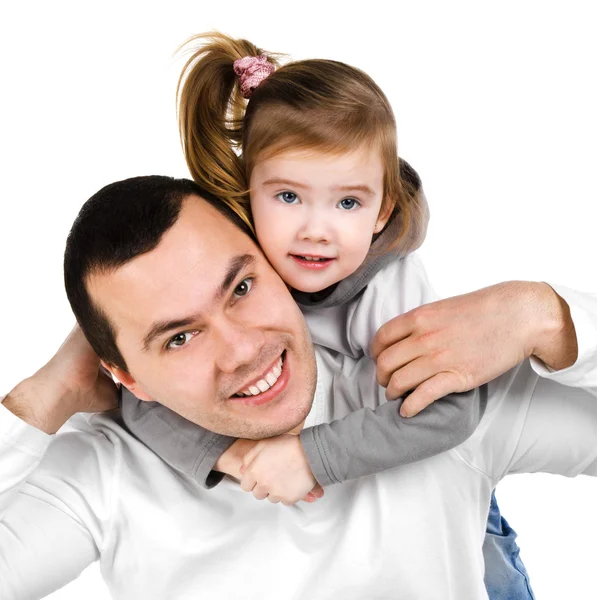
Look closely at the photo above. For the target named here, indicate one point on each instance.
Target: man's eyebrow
(235, 266)
(161, 327)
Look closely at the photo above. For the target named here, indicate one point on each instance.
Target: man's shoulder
(97, 452)
(96, 449)
(101, 436)
(86, 444)
(495, 439)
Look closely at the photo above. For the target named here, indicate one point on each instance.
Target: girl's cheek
(358, 238)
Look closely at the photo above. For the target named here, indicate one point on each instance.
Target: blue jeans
(505, 575)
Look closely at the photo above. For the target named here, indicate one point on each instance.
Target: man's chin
(279, 422)
(261, 431)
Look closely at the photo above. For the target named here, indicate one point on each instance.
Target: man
(183, 308)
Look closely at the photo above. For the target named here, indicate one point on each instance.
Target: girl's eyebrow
(340, 188)
(279, 180)
(355, 188)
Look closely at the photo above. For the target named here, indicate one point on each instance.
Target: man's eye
(244, 287)
(287, 197)
(180, 339)
(349, 204)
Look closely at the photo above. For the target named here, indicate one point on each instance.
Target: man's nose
(316, 227)
(238, 344)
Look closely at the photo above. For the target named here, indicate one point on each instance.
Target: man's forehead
(187, 266)
(204, 218)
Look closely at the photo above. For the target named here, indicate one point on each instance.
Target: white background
(496, 109)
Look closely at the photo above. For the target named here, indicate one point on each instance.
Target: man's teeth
(264, 384)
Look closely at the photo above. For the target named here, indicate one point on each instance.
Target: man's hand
(72, 381)
(277, 469)
(457, 344)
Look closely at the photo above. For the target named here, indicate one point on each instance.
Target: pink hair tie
(252, 70)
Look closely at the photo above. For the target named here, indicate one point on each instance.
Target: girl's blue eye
(349, 204)
(287, 197)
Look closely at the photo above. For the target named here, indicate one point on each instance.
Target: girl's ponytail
(210, 114)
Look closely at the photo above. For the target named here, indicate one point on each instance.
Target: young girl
(338, 216)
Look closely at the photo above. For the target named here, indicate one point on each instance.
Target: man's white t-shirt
(414, 532)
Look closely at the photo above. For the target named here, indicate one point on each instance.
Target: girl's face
(315, 213)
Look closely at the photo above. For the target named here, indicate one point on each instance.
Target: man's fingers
(389, 334)
(428, 392)
(409, 377)
(105, 396)
(393, 358)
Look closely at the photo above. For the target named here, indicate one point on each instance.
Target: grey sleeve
(186, 447)
(367, 441)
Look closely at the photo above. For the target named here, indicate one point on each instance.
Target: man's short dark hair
(123, 220)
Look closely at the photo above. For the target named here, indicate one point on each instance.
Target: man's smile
(267, 386)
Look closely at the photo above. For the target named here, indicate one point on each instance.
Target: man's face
(208, 329)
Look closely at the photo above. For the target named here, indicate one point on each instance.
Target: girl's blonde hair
(321, 105)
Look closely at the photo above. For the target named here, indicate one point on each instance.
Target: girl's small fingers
(260, 493)
(247, 483)
(317, 491)
(250, 456)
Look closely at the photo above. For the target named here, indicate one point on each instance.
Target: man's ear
(128, 381)
(384, 215)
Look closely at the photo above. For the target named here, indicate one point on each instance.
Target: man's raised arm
(71, 382)
(459, 343)
(45, 541)
(544, 419)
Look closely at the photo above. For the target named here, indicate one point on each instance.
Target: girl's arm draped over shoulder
(185, 446)
(371, 440)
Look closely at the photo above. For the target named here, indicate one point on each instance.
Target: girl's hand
(460, 343)
(277, 469)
